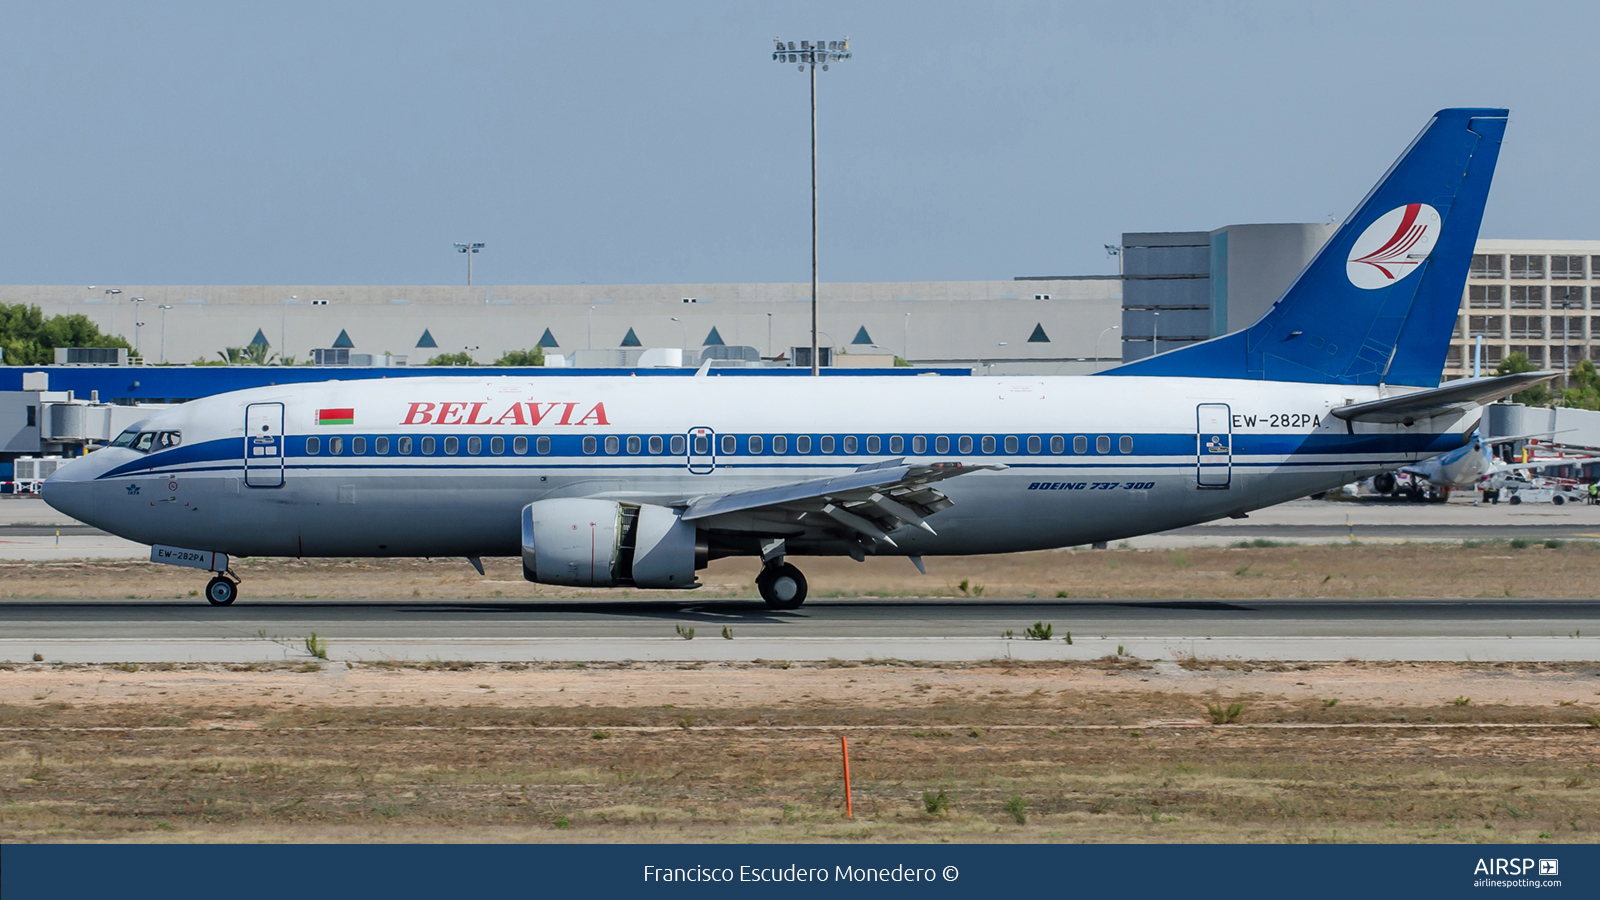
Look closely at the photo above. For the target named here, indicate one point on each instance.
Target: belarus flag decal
(336, 417)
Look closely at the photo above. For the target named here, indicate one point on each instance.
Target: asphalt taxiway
(254, 630)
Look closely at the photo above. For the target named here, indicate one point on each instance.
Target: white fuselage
(443, 466)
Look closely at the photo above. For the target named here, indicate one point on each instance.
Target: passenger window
(427, 445)
(381, 446)
(313, 446)
(802, 444)
(542, 445)
(849, 443)
(756, 444)
(497, 445)
(873, 444)
(678, 444)
(358, 446)
(404, 446)
(1125, 443)
(919, 444)
(146, 440)
(452, 444)
(966, 443)
(1011, 443)
(474, 445)
(702, 445)
(1102, 444)
(1058, 444)
(634, 444)
(1080, 444)
(335, 446)
(613, 444)
(730, 444)
(827, 443)
(780, 444)
(589, 444)
(988, 443)
(519, 445)
(1034, 443)
(941, 444)
(655, 443)
(897, 444)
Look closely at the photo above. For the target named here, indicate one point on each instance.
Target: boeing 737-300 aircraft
(600, 481)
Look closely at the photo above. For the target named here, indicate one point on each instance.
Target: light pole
(813, 54)
(589, 341)
(769, 335)
(905, 344)
(470, 248)
(685, 333)
(283, 325)
(136, 326)
(164, 308)
(1566, 365)
(111, 294)
(1097, 344)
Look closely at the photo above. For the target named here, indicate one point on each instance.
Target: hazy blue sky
(351, 143)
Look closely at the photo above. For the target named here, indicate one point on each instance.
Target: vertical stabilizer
(1379, 303)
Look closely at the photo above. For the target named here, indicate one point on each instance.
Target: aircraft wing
(1451, 397)
(869, 502)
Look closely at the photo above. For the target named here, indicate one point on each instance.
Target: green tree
(452, 359)
(1583, 387)
(1516, 364)
(252, 355)
(29, 339)
(534, 357)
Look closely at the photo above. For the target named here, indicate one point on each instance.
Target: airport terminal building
(1175, 289)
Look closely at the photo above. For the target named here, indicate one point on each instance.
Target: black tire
(782, 586)
(1557, 500)
(221, 592)
(1514, 500)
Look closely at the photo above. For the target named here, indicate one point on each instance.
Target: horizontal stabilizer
(1453, 397)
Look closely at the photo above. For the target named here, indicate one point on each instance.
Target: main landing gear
(782, 586)
(223, 589)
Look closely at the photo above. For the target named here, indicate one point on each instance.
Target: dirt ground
(1261, 570)
(1113, 750)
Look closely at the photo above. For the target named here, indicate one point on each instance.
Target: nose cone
(72, 489)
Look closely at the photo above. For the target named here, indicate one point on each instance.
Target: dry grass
(1492, 569)
(493, 752)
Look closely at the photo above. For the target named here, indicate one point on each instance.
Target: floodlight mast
(469, 248)
(813, 54)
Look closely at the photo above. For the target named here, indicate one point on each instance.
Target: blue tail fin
(1379, 303)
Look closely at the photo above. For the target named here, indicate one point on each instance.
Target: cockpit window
(126, 438)
(168, 439)
(145, 442)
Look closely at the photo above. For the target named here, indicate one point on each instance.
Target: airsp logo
(1393, 247)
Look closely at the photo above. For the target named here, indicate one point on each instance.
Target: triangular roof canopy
(259, 339)
(713, 339)
(631, 339)
(1038, 336)
(427, 339)
(343, 341)
(862, 337)
(549, 340)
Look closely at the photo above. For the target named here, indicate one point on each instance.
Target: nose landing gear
(782, 586)
(223, 589)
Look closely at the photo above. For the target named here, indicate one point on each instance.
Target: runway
(256, 630)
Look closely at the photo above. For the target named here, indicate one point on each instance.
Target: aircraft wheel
(1514, 500)
(222, 592)
(782, 586)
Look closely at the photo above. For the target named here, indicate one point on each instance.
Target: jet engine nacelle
(603, 543)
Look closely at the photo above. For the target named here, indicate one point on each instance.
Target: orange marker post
(844, 747)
